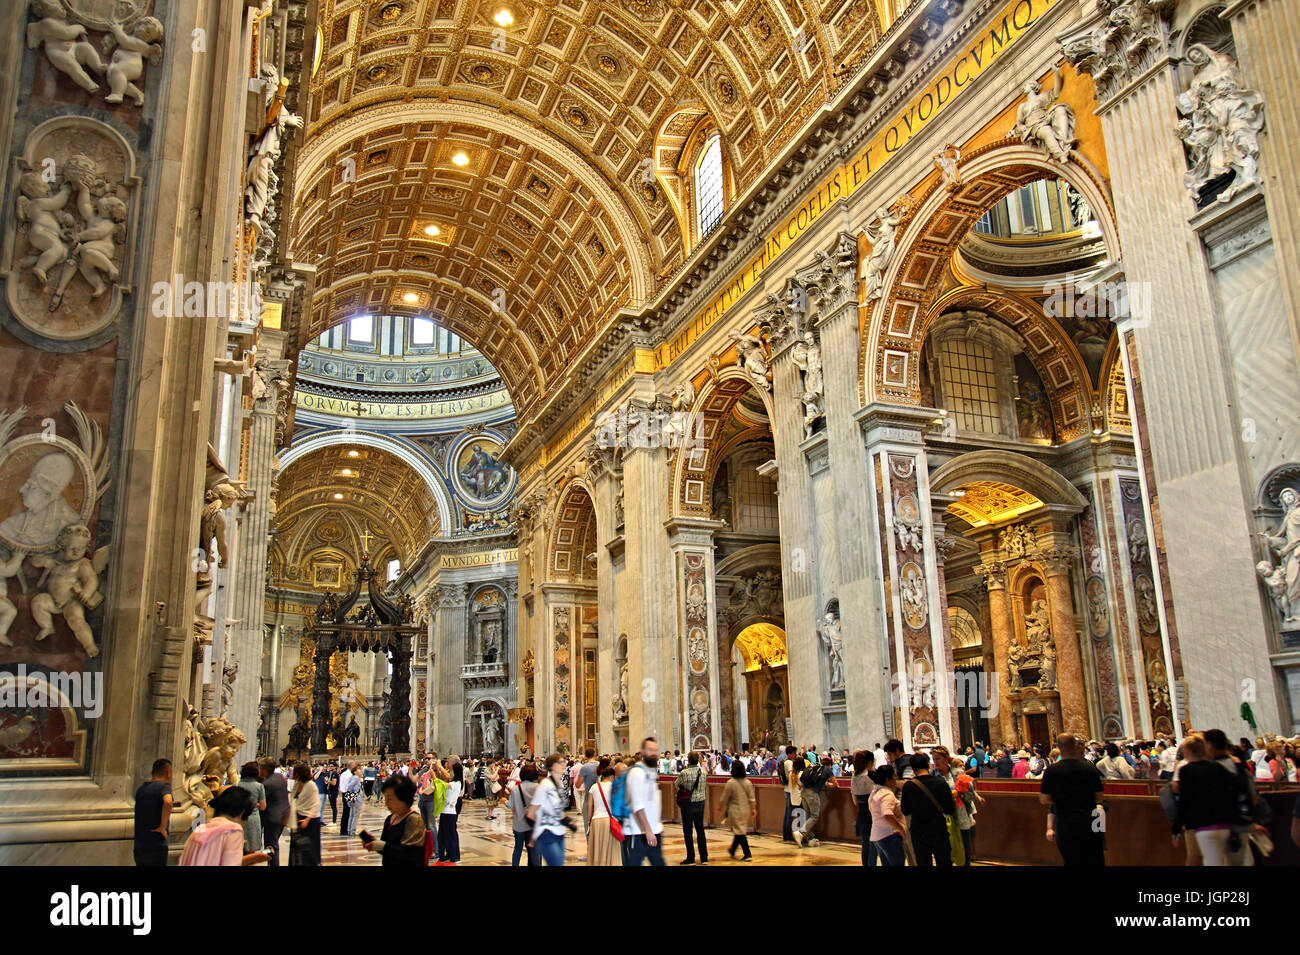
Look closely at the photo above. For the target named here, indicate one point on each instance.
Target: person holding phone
(403, 837)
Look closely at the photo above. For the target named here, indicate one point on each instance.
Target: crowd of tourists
(917, 809)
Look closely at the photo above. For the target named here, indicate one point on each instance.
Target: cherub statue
(36, 208)
(1042, 121)
(127, 64)
(66, 45)
(8, 611)
(97, 243)
(71, 582)
(812, 412)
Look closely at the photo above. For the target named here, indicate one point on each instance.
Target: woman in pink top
(221, 841)
(1021, 769)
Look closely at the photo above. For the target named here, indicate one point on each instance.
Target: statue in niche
(753, 358)
(491, 642)
(127, 64)
(71, 582)
(831, 634)
(65, 44)
(1043, 122)
(1283, 579)
(620, 701)
(1038, 625)
(881, 232)
(491, 732)
(1047, 671)
(1221, 125)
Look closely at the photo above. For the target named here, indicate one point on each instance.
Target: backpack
(618, 797)
(811, 777)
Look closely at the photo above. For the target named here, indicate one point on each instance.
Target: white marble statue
(620, 701)
(1038, 625)
(8, 609)
(807, 357)
(1283, 578)
(71, 586)
(45, 510)
(65, 44)
(1043, 122)
(753, 358)
(1047, 672)
(881, 233)
(831, 633)
(946, 162)
(127, 64)
(263, 184)
(491, 732)
(1222, 120)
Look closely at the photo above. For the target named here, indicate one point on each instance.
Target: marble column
(1065, 630)
(995, 579)
(805, 505)
(691, 542)
(604, 478)
(1188, 398)
(647, 615)
(833, 299)
(446, 692)
(248, 588)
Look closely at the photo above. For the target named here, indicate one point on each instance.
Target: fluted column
(446, 709)
(248, 588)
(856, 549)
(1268, 51)
(1187, 398)
(647, 616)
(808, 561)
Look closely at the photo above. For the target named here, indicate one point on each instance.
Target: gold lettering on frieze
(389, 410)
(987, 47)
(505, 555)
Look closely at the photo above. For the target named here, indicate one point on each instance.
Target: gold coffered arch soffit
(894, 327)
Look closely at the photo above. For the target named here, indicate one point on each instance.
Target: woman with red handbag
(604, 832)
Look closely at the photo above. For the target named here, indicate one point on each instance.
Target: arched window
(708, 186)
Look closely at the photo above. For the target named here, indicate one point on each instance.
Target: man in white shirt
(645, 825)
(1113, 765)
(345, 785)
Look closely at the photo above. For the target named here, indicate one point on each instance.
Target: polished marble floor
(492, 843)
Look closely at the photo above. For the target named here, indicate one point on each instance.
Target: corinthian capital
(994, 573)
(1124, 39)
(832, 279)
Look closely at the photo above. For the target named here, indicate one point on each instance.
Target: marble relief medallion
(67, 239)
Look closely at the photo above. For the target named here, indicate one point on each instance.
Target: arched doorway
(762, 687)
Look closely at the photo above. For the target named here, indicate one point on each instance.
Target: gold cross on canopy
(366, 538)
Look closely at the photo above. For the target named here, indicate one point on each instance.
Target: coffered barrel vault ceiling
(373, 490)
(557, 118)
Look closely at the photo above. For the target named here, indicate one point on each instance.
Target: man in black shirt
(927, 800)
(277, 806)
(153, 810)
(1073, 789)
